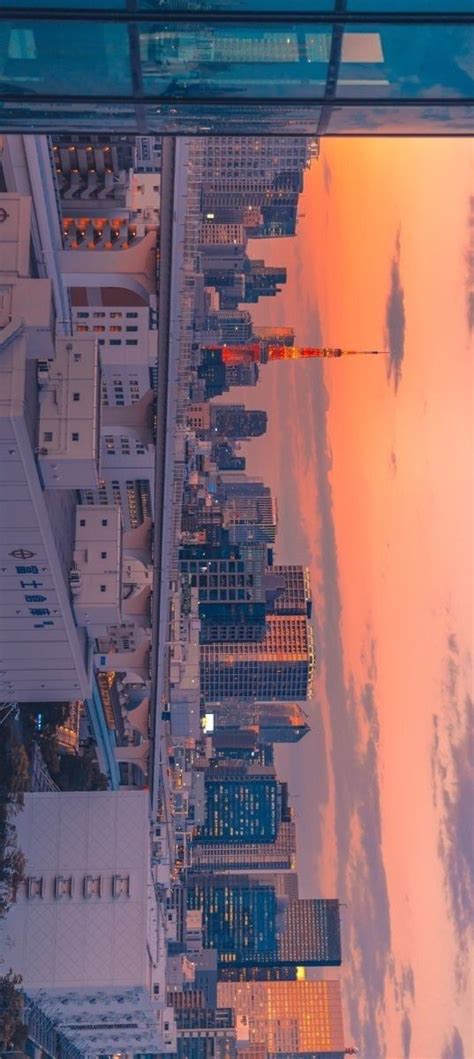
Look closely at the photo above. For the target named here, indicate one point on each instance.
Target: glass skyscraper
(237, 66)
(250, 927)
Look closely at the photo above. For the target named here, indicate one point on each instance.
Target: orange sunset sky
(372, 463)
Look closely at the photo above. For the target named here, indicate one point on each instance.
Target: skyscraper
(236, 421)
(278, 667)
(248, 856)
(296, 595)
(242, 805)
(277, 722)
(250, 927)
(294, 1018)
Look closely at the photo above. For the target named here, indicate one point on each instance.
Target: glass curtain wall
(331, 67)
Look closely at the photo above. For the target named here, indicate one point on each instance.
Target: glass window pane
(379, 120)
(406, 62)
(51, 58)
(213, 60)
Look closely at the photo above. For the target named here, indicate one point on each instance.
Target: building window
(116, 327)
(47, 436)
(103, 588)
(130, 327)
(82, 522)
(131, 342)
(98, 328)
(116, 316)
(77, 357)
(115, 341)
(75, 436)
(96, 315)
(103, 555)
(105, 522)
(131, 316)
(76, 397)
(82, 316)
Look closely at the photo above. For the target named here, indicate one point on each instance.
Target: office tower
(238, 74)
(226, 459)
(231, 591)
(241, 806)
(278, 667)
(250, 927)
(262, 280)
(250, 511)
(276, 722)
(205, 1033)
(249, 856)
(236, 421)
(83, 930)
(295, 597)
(244, 159)
(291, 1018)
(233, 325)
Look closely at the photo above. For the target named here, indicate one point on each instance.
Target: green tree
(13, 1032)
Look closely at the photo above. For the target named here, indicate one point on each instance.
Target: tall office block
(278, 855)
(242, 805)
(293, 1018)
(234, 67)
(250, 927)
(295, 594)
(275, 722)
(279, 667)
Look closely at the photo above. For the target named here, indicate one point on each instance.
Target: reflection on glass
(47, 57)
(221, 64)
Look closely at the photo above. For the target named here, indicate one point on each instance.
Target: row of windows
(102, 315)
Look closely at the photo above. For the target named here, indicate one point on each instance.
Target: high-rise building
(278, 855)
(238, 74)
(236, 421)
(275, 722)
(250, 927)
(205, 1033)
(295, 598)
(295, 1018)
(278, 667)
(242, 806)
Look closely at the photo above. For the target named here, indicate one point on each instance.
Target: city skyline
(236, 593)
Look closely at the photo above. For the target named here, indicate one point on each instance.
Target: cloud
(406, 1034)
(452, 772)
(454, 1049)
(327, 175)
(361, 879)
(395, 320)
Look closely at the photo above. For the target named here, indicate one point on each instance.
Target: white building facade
(83, 932)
